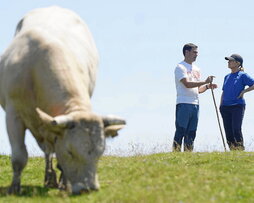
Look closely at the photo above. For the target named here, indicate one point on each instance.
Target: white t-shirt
(192, 72)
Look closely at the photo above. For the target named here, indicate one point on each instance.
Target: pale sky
(140, 43)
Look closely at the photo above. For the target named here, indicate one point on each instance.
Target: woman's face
(232, 64)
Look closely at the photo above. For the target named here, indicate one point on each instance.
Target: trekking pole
(218, 118)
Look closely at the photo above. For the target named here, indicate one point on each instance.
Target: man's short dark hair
(188, 47)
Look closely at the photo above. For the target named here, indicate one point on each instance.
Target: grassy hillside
(168, 177)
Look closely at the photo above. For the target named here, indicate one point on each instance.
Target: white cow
(47, 76)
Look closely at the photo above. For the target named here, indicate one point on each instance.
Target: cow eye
(71, 125)
(70, 153)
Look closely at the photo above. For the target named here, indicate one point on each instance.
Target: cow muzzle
(79, 188)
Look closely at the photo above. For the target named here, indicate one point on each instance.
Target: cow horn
(44, 116)
(61, 121)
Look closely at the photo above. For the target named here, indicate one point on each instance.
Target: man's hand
(209, 79)
(212, 86)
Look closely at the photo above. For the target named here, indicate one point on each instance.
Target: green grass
(167, 177)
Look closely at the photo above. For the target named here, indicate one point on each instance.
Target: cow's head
(79, 143)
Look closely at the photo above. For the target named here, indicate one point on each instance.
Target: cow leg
(62, 180)
(50, 174)
(16, 133)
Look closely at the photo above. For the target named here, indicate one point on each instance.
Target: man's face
(192, 54)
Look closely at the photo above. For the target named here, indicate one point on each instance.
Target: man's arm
(190, 84)
(203, 88)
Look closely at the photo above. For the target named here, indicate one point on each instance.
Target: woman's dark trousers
(232, 119)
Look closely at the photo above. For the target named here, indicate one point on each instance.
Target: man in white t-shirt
(188, 86)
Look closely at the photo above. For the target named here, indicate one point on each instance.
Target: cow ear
(111, 131)
(112, 124)
(113, 120)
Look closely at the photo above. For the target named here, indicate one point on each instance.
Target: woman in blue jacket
(232, 102)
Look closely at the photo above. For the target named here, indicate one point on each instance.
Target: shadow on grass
(28, 191)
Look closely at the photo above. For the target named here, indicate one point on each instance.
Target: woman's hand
(241, 94)
(245, 90)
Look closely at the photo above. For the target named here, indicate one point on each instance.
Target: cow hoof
(14, 189)
(51, 184)
(62, 186)
(50, 180)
